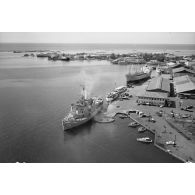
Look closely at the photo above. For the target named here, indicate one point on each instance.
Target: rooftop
(159, 83)
(152, 94)
(176, 70)
(184, 84)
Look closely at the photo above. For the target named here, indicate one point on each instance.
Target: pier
(184, 148)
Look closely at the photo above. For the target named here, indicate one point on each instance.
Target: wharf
(184, 149)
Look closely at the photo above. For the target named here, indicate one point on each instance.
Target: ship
(112, 96)
(116, 93)
(82, 111)
(137, 75)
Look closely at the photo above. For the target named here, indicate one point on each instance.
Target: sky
(99, 37)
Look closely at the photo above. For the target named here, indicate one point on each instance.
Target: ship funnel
(84, 92)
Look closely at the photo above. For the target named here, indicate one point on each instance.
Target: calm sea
(118, 48)
(35, 94)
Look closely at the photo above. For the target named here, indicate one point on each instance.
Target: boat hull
(144, 141)
(69, 125)
(136, 78)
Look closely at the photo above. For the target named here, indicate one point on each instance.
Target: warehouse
(159, 84)
(183, 71)
(156, 93)
(152, 98)
(184, 86)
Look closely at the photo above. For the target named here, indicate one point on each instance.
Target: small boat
(112, 96)
(144, 140)
(141, 129)
(170, 143)
(133, 124)
(123, 116)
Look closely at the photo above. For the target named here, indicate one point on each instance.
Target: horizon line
(99, 43)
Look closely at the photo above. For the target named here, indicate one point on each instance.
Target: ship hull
(76, 123)
(136, 78)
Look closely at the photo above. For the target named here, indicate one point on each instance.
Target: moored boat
(144, 140)
(115, 94)
(82, 111)
(133, 124)
(141, 129)
(112, 96)
(138, 75)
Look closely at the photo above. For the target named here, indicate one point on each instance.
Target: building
(172, 65)
(152, 98)
(184, 86)
(159, 84)
(157, 92)
(182, 71)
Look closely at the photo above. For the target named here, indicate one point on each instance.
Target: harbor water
(35, 94)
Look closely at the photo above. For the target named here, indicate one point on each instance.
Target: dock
(184, 149)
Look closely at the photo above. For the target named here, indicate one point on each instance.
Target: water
(177, 49)
(35, 94)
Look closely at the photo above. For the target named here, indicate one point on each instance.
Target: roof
(192, 63)
(159, 83)
(171, 64)
(184, 84)
(152, 94)
(177, 70)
